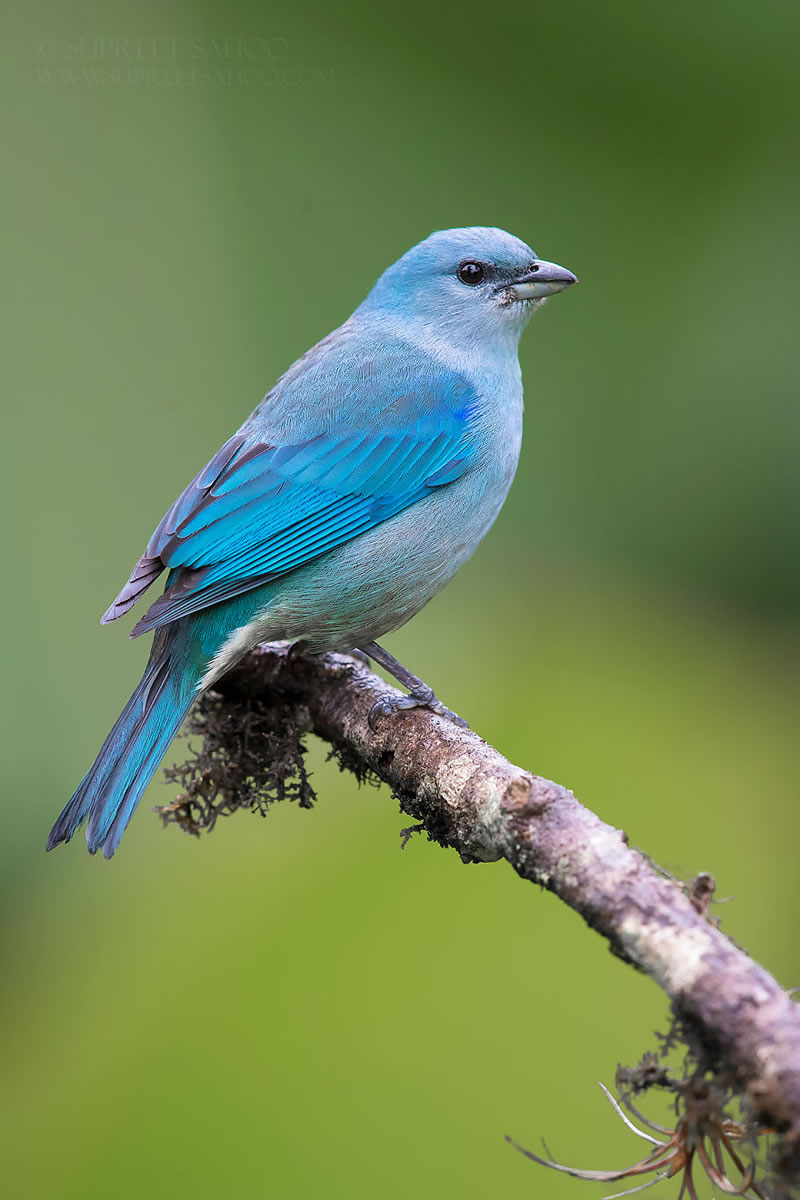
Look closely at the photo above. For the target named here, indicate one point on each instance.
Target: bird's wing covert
(258, 511)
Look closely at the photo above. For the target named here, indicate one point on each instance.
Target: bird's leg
(419, 694)
(358, 655)
(301, 647)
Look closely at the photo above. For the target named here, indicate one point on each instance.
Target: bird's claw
(389, 704)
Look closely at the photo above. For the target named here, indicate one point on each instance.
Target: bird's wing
(258, 510)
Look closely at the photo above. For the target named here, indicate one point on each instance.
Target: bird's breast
(497, 434)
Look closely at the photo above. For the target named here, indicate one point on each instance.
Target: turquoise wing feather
(259, 510)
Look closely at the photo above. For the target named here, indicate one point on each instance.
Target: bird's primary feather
(262, 507)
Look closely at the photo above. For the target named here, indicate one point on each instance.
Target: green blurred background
(295, 1008)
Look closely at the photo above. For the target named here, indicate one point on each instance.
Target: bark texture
(469, 797)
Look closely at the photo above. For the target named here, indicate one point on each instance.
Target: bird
(348, 498)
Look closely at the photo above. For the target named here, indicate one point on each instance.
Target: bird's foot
(419, 694)
(419, 697)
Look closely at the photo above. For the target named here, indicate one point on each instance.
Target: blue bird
(350, 496)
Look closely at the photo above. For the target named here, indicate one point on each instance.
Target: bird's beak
(543, 279)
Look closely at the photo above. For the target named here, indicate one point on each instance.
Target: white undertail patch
(235, 646)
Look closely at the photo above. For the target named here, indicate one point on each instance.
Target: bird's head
(467, 284)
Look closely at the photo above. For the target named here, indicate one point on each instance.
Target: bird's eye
(471, 273)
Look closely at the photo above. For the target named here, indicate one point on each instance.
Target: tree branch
(469, 797)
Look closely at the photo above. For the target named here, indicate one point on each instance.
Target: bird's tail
(113, 785)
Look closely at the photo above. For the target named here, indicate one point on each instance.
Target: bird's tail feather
(113, 785)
